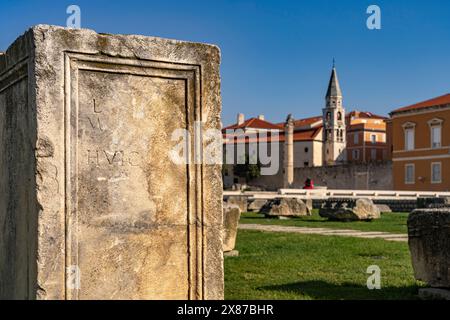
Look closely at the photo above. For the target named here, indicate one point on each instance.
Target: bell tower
(334, 130)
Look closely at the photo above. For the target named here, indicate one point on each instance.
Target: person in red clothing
(309, 184)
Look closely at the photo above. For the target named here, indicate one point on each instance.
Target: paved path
(327, 232)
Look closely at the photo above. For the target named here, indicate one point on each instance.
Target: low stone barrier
(433, 203)
(397, 201)
(398, 205)
(395, 205)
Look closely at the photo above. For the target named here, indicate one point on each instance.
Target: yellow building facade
(421, 145)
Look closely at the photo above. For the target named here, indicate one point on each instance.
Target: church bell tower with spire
(334, 129)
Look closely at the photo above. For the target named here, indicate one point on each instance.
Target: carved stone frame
(191, 74)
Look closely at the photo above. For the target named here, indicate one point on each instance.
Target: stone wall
(372, 176)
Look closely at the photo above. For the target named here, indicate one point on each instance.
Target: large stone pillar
(289, 152)
(92, 204)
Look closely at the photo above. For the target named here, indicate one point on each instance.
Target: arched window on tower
(328, 116)
(339, 116)
(328, 134)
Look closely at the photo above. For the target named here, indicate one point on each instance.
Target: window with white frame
(409, 128)
(435, 132)
(436, 172)
(436, 137)
(356, 138)
(409, 174)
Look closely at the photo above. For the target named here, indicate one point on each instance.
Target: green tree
(247, 170)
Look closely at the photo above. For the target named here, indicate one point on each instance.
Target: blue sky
(277, 55)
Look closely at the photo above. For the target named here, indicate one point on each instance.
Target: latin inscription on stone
(132, 200)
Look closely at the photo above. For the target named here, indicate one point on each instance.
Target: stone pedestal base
(434, 294)
(96, 200)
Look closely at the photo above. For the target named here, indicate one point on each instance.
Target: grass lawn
(295, 266)
(389, 222)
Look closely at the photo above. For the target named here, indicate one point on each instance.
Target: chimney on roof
(240, 118)
(261, 117)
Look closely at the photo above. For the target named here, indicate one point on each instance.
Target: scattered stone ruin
(287, 208)
(342, 209)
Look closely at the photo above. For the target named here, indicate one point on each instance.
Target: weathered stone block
(92, 205)
(255, 205)
(429, 244)
(240, 201)
(231, 216)
(384, 208)
(309, 204)
(286, 207)
(349, 210)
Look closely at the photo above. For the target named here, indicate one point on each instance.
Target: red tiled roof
(442, 100)
(255, 123)
(303, 135)
(306, 135)
(254, 138)
(365, 114)
(303, 122)
(307, 121)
